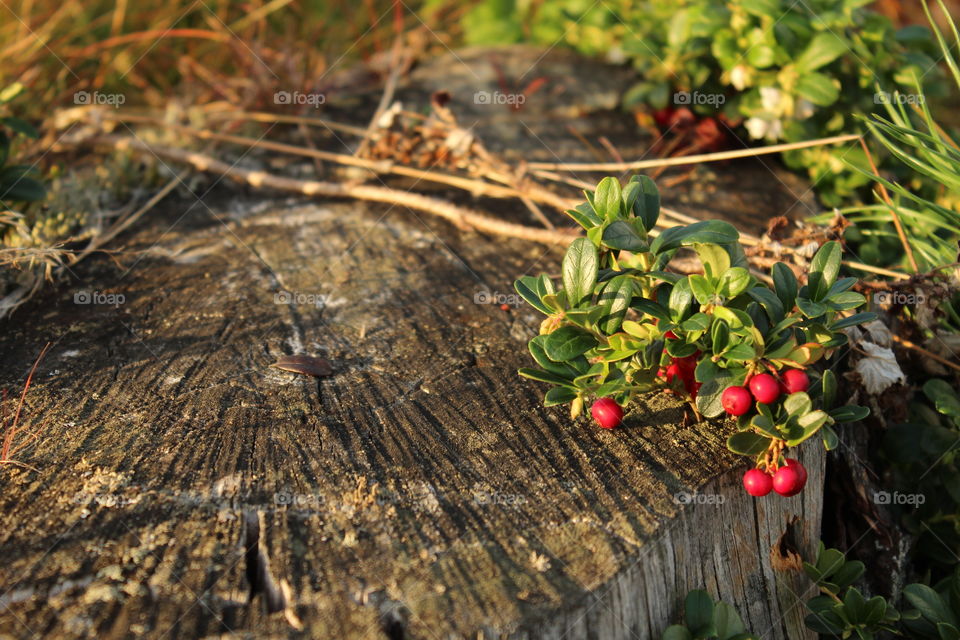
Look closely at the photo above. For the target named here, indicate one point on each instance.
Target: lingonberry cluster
(623, 324)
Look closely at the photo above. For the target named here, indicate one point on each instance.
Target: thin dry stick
(277, 118)
(910, 345)
(99, 241)
(893, 210)
(703, 157)
(460, 216)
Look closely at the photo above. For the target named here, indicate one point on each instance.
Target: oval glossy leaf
(580, 267)
(647, 205)
(566, 343)
(620, 234)
(708, 231)
(748, 443)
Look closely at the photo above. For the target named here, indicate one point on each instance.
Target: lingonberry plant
(622, 324)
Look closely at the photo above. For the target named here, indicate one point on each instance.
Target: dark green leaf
(559, 395)
(620, 234)
(715, 231)
(769, 301)
(747, 443)
(545, 376)
(943, 396)
(21, 126)
(647, 205)
(527, 287)
(785, 284)
(566, 343)
(824, 269)
(849, 413)
(698, 613)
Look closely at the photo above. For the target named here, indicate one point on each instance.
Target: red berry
(800, 469)
(790, 478)
(764, 388)
(673, 372)
(670, 335)
(607, 413)
(795, 380)
(694, 390)
(757, 483)
(736, 400)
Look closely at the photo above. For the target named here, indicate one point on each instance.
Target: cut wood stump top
(421, 487)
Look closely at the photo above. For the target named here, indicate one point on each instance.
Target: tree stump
(186, 489)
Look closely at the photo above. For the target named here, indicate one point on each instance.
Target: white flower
(740, 77)
(770, 98)
(756, 127)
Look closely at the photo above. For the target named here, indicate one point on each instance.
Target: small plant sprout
(15, 435)
(621, 324)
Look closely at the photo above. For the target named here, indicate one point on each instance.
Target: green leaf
(929, 603)
(726, 621)
(855, 319)
(824, 269)
(818, 88)
(829, 385)
(710, 394)
(849, 413)
(559, 395)
(943, 397)
(714, 258)
(580, 267)
(797, 403)
(733, 282)
(829, 561)
(762, 8)
(829, 436)
(822, 50)
(22, 189)
(845, 300)
(769, 301)
(607, 199)
(701, 288)
(539, 354)
(741, 352)
(677, 632)
(698, 613)
(584, 215)
(809, 424)
(681, 298)
(616, 298)
(545, 376)
(20, 126)
(647, 205)
(566, 343)
(712, 231)
(811, 309)
(785, 284)
(747, 443)
(528, 288)
(620, 234)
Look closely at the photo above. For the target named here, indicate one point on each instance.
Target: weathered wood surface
(422, 480)
(419, 492)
